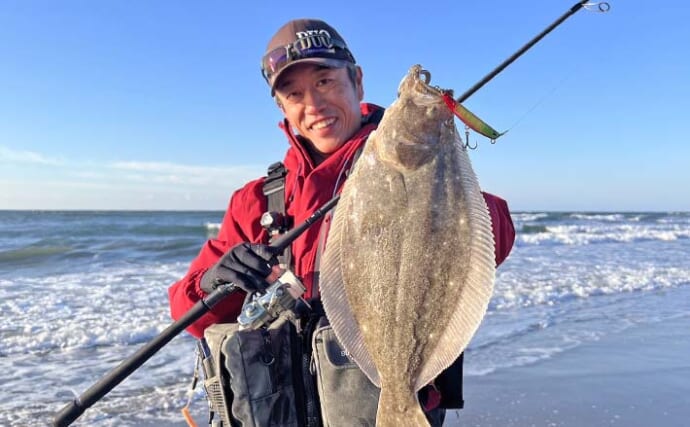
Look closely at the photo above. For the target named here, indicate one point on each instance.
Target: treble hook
(600, 6)
(467, 139)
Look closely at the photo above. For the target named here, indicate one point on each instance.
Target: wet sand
(636, 378)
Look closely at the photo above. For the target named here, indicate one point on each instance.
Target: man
(318, 87)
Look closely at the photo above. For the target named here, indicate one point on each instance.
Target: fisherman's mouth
(322, 124)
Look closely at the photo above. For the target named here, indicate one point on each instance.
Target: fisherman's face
(321, 103)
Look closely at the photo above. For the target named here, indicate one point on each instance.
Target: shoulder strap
(275, 219)
(376, 116)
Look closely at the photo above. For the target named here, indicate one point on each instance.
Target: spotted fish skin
(408, 268)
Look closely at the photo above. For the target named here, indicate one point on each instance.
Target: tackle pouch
(256, 375)
(215, 383)
(346, 395)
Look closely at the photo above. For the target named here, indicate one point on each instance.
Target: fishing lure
(470, 119)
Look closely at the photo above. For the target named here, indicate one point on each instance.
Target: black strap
(375, 116)
(275, 219)
(273, 184)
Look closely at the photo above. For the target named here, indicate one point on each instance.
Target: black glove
(245, 265)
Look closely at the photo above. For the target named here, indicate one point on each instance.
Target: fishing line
(537, 104)
(600, 7)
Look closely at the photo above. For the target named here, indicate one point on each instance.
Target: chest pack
(295, 373)
(292, 374)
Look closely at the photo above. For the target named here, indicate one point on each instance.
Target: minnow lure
(470, 119)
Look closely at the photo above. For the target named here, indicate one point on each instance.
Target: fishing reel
(280, 296)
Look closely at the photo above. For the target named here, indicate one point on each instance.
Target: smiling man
(321, 89)
(318, 86)
(322, 105)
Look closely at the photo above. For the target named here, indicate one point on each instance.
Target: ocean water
(82, 291)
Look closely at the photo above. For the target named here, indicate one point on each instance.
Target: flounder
(408, 268)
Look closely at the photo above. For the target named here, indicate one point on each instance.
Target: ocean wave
(522, 357)
(584, 234)
(78, 311)
(212, 229)
(528, 216)
(168, 230)
(508, 335)
(32, 253)
(572, 283)
(152, 395)
(601, 217)
(64, 336)
(506, 340)
(533, 229)
(607, 217)
(154, 247)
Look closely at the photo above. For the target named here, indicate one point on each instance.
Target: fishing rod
(602, 7)
(74, 409)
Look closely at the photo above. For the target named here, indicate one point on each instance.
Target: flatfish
(408, 268)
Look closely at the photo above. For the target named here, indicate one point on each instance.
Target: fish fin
(479, 279)
(396, 412)
(335, 300)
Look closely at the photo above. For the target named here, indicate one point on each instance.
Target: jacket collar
(371, 116)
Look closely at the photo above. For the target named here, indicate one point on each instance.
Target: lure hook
(602, 7)
(467, 140)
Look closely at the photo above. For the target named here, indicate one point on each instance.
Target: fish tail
(396, 410)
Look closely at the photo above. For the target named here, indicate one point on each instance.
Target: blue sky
(161, 105)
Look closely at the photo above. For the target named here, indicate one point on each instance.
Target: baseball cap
(304, 40)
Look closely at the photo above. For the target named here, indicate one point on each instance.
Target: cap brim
(327, 62)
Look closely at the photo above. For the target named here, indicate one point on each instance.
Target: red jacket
(307, 187)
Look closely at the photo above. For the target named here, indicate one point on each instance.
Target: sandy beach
(636, 378)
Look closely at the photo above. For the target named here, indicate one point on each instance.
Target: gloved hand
(245, 265)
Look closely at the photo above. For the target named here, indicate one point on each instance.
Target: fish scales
(408, 268)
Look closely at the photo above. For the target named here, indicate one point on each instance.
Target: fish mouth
(420, 79)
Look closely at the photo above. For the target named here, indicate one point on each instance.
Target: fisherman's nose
(313, 100)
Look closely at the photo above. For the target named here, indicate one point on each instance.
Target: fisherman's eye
(324, 82)
(293, 96)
